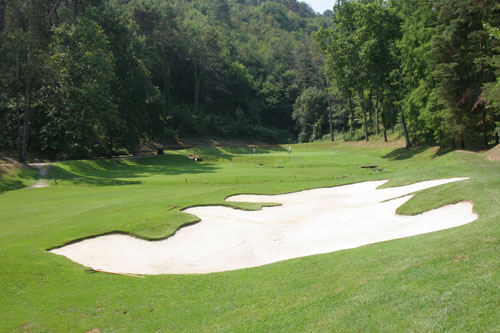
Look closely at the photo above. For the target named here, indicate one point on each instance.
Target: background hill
(98, 76)
(95, 78)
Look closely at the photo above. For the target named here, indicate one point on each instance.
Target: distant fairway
(446, 280)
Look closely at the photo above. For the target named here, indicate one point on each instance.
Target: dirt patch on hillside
(494, 153)
(7, 164)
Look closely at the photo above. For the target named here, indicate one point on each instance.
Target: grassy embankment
(14, 175)
(447, 280)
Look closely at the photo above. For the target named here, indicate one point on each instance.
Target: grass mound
(494, 153)
(14, 175)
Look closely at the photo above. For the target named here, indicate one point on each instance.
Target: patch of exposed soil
(42, 182)
(494, 153)
(7, 164)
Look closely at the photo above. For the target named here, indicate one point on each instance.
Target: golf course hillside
(249, 166)
(312, 237)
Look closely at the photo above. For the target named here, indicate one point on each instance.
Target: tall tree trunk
(3, 5)
(485, 133)
(403, 120)
(324, 87)
(376, 113)
(485, 128)
(462, 142)
(330, 118)
(369, 107)
(56, 15)
(49, 15)
(392, 119)
(384, 122)
(166, 78)
(18, 106)
(370, 116)
(197, 85)
(110, 147)
(363, 108)
(351, 114)
(496, 138)
(22, 157)
(405, 131)
(53, 12)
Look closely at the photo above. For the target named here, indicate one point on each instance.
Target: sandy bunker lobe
(308, 222)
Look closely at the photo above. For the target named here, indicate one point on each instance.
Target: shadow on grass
(122, 172)
(442, 151)
(11, 177)
(404, 153)
(471, 149)
(226, 153)
(10, 184)
(85, 179)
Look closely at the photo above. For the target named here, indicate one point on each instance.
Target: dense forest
(432, 68)
(83, 78)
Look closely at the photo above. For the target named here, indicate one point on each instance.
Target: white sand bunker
(308, 222)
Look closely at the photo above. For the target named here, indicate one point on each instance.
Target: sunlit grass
(447, 280)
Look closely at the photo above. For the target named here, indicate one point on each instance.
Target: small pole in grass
(186, 181)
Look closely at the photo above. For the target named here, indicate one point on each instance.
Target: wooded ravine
(81, 79)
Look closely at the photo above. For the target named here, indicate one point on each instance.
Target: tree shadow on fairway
(442, 151)
(124, 171)
(56, 172)
(7, 183)
(227, 153)
(404, 153)
(407, 153)
(10, 184)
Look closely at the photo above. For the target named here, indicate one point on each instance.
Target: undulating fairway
(443, 281)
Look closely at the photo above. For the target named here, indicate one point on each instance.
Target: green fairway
(443, 281)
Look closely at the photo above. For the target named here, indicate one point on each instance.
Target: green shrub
(359, 134)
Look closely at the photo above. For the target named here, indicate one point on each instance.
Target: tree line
(83, 78)
(95, 78)
(431, 68)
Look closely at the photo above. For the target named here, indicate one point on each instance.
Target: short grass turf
(442, 281)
